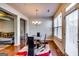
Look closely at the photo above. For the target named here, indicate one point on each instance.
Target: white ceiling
(29, 9)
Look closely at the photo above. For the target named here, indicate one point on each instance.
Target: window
(58, 26)
(71, 45)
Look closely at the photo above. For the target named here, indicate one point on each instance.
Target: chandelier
(36, 22)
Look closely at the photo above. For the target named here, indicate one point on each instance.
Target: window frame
(58, 26)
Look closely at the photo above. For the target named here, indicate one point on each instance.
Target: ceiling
(29, 9)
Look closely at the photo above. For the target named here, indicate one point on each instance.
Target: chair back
(38, 34)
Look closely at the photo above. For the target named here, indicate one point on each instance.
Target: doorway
(23, 32)
(6, 28)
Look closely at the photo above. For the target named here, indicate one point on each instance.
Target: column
(17, 31)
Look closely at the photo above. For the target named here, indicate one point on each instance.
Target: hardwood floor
(54, 53)
(55, 50)
(11, 50)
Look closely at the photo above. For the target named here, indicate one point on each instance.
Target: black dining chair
(38, 34)
(30, 43)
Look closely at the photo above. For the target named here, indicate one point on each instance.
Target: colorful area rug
(44, 54)
(24, 52)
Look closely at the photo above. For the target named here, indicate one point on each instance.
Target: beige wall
(7, 26)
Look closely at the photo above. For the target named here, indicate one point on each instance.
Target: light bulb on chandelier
(36, 22)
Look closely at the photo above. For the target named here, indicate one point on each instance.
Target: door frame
(25, 22)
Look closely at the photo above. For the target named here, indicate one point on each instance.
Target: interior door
(22, 31)
(71, 38)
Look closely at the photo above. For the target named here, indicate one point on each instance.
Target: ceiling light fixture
(2, 13)
(35, 21)
(5, 18)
